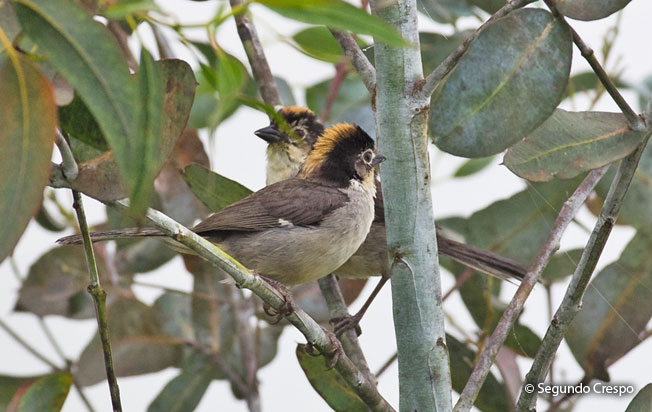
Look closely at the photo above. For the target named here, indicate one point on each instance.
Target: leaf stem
(27, 346)
(494, 343)
(635, 122)
(572, 301)
(99, 297)
(68, 163)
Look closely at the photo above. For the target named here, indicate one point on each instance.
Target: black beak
(269, 134)
(378, 159)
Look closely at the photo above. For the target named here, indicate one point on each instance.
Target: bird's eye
(300, 132)
(368, 156)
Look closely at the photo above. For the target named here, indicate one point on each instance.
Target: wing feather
(295, 201)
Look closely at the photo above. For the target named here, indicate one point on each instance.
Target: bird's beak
(269, 134)
(378, 159)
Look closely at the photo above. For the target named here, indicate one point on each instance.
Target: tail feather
(481, 260)
(111, 235)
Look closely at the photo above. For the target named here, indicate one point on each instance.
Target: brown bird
(290, 144)
(300, 229)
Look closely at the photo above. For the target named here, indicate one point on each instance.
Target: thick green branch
(401, 127)
(513, 310)
(572, 301)
(99, 297)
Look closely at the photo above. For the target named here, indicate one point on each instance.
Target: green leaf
(642, 402)
(56, 284)
(47, 393)
(490, 6)
(138, 343)
(184, 391)
(84, 51)
(336, 14)
(473, 166)
(122, 9)
(492, 396)
(590, 9)
(8, 23)
(561, 266)
(78, 122)
(284, 89)
(570, 143)
(615, 310)
(9, 385)
(353, 94)
(329, 383)
(175, 314)
(145, 151)
(318, 42)
(28, 119)
(100, 177)
(508, 82)
(214, 190)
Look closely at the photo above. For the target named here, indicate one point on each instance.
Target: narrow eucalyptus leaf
(47, 393)
(642, 402)
(28, 119)
(214, 190)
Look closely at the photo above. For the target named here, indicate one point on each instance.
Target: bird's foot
(333, 355)
(289, 305)
(344, 323)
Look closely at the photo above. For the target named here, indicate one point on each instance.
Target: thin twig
(337, 309)
(217, 361)
(52, 340)
(68, 164)
(254, 50)
(387, 364)
(572, 301)
(359, 61)
(164, 49)
(461, 280)
(244, 278)
(27, 346)
(99, 297)
(432, 80)
(635, 122)
(341, 71)
(123, 41)
(83, 397)
(198, 295)
(507, 320)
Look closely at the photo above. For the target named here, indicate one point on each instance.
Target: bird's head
(342, 153)
(290, 138)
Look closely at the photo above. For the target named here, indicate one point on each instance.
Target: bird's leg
(289, 305)
(344, 323)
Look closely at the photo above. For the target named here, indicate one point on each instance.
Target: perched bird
(303, 228)
(284, 156)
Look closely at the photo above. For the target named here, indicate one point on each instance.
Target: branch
(256, 55)
(244, 278)
(401, 130)
(99, 296)
(359, 61)
(68, 165)
(27, 346)
(572, 301)
(495, 342)
(635, 122)
(337, 309)
(432, 80)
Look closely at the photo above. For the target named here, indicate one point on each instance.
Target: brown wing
(295, 201)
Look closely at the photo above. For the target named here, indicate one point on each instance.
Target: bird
(286, 152)
(299, 229)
